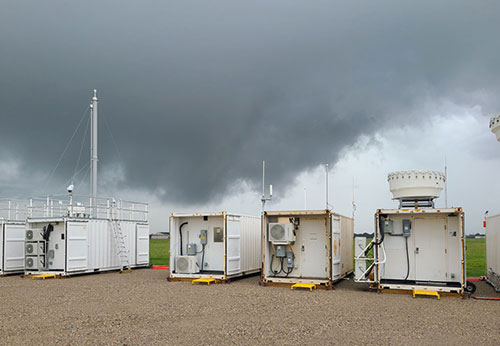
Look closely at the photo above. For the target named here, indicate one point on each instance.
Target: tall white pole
(263, 198)
(93, 154)
(263, 177)
(305, 198)
(326, 185)
(445, 183)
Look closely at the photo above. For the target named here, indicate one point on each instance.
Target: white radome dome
(416, 184)
(495, 126)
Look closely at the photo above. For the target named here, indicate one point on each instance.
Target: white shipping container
(219, 245)
(493, 251)
(89, 238)
(430, 257)
(79, 245)
(316, 247)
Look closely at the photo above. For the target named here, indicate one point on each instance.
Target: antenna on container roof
(328, 205)
(263, 198)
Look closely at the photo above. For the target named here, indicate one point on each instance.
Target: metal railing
(86, 207)
(13, 209)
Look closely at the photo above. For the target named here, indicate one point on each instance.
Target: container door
(314, 259)
(233, 235)
(77, 246)
(336, 254)
(430, 249)
(142, 244)
(14, 247)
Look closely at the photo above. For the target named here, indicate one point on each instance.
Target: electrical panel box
(280, 250)
(191, 249)
(406, 227)
(203, 236)
(218, 235)
(388, 226)
(289, 260)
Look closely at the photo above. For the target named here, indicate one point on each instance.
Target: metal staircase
(121, 249)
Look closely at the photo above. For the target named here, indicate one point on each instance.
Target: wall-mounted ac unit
(36, 248)
(281, 233)
(34, 234)
(34, 263)
(186, 265)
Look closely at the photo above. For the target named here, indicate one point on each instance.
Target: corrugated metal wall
(250, 245)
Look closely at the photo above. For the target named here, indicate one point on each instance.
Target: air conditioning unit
(186, 265)
(34, 263)
(281, 233)
(37, 248)
(34, 234)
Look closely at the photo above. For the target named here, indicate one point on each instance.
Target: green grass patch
(476, 257)
(159, 252)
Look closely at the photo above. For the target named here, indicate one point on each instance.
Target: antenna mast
(326, 186)
(445, 183)
(93, 154)
(263, 198)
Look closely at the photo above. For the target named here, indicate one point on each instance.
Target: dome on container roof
(495, 126)
(416, 184)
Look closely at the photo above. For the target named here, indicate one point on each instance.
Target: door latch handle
(302, 248)
(416, 250)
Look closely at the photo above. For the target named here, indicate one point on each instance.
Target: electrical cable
(407, 260)
(202, 256)
(180, 233)
(271, 266)
(382, 233)
(46, 231)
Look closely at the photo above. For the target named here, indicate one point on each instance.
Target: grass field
(476, 255)
(159, 252)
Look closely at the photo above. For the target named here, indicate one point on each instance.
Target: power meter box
(191, 249)
(280, 250)
(203, 236)
(406, 228)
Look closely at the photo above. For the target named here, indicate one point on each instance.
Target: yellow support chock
(44, 276)
(426, 293)
(203, 281)
(299, 285)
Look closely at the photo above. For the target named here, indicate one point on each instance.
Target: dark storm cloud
(198, 93)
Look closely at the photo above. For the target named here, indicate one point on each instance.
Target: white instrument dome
(495, 126)
(416, 184)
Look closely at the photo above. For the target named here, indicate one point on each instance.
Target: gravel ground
(141, 308)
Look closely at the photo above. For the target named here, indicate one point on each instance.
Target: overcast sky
(193, 95)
